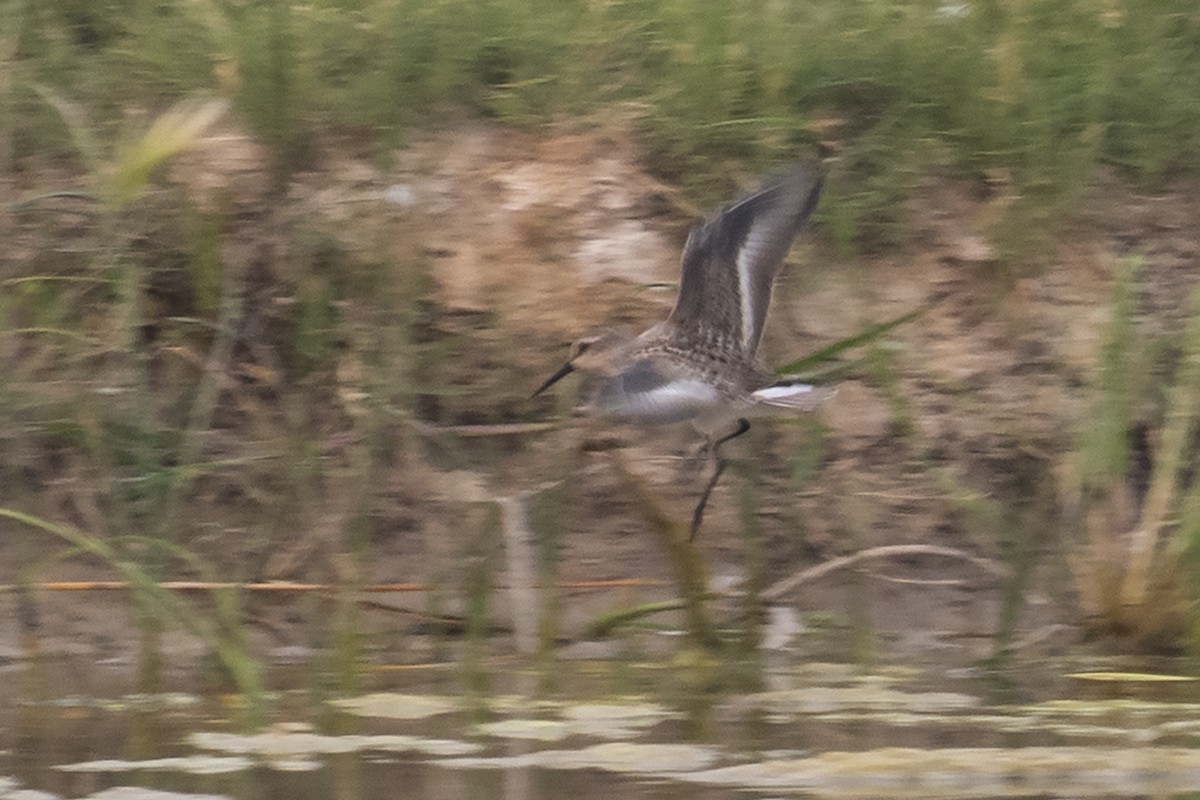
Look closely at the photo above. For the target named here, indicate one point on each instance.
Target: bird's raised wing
(730, 260)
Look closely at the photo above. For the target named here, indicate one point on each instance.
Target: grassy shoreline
(124, 321)
(1027, 98)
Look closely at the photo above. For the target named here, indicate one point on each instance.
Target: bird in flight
(698, 365)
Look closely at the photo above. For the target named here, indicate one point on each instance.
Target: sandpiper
(698, 365)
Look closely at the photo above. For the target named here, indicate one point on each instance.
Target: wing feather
(730, 260)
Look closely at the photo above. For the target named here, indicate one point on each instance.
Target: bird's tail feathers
(791, 394)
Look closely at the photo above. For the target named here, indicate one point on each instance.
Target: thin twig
(475, 431)
(297, 587)
(17, 205)
(879, 576)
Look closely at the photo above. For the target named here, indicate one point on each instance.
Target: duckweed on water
(522, 704)
(1109, 708)
(195, 765)
(142, 793)
(1130, 677)
(297, 750)
(614, 720)
(642, 759)
(891, 772)
(830, 699)
(393, 705)
(166, 701)
(542, 730)
(608, 720)
(10, 790)
(971, 772)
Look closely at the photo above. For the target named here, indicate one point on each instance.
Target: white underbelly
(674, 401)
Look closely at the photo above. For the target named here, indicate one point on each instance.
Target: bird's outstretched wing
(730, 260)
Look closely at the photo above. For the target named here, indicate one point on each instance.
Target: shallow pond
(682, 727)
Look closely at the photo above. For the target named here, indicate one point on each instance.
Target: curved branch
(888, 551)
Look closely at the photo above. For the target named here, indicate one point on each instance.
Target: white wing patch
(800, 396)
(750, 257)
(746, 258)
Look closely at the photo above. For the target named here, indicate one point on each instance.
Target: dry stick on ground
(889, 551)
(605, 625)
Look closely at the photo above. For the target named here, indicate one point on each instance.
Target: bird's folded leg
(743, 425)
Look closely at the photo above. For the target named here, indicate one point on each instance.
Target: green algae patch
(1086, 722)
(868, 697)
(11, 790)
(194, 765)
(522, 704)
(542, 730)
(625, 757)
(970, 772)
(633, 757)
(142, 793)
(1130, 677)
(1123, 709)
(393, 705)
(292, 750)
(165, 701)
(614, 720)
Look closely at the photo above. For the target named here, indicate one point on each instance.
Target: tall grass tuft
(115, 429)
(1027, 97)
(1135, 563)
(221, 631)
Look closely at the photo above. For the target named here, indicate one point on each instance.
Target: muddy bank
(957, 431)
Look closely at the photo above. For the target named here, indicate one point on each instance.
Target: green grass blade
(857, 340)
(78, 127)
(242, 666)
(175, 130)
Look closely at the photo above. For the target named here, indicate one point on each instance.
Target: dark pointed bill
(563, 371)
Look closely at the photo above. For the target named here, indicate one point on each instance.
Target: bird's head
(592, 353)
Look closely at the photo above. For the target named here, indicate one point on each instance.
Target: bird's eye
(580, 347)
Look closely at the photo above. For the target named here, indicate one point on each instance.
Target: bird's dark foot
(743, 425)
(707, 449)
(698, 514)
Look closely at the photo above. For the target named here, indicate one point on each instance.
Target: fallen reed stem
(296, 587)
(888, 551)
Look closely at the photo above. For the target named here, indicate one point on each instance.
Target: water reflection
(824, 730)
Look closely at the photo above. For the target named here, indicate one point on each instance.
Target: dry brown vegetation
(267, 347)
(385, 327)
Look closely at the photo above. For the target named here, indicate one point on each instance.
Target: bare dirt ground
(960, 435)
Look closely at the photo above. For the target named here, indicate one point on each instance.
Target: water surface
(680, 727)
